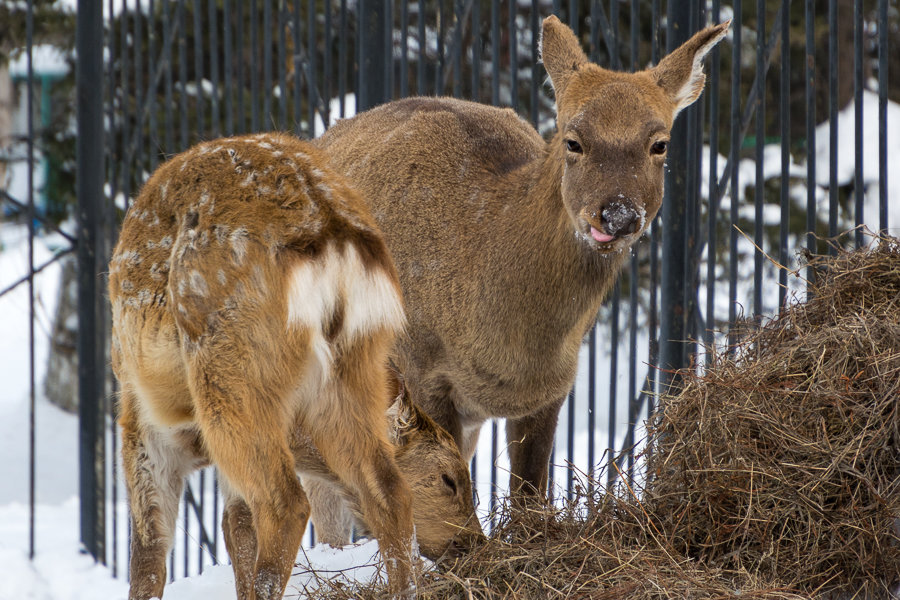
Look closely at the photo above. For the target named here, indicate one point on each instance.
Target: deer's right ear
(561, 52)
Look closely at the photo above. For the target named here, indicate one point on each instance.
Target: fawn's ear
(402, 418)
(561, 52)
(680, 74)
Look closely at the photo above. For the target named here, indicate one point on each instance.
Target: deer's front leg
(530, 440)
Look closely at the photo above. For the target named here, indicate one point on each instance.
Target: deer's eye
(448, 481)
(659, 147)
(573, 146)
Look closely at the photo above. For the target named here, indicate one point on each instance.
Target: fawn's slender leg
(240, 540)
(330, 515)
(154, 477)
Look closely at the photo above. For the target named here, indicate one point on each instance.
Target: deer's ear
(560, 52)
(402, 418)
(680, 74)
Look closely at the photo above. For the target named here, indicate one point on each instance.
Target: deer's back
(216, 242)
(451, 186)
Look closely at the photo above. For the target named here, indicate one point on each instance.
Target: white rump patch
(338, 277)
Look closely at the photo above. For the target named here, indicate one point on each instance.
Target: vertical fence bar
(713, 192)
(116, 159)
(859, 190)
(253, 73)
(633, 397)
(592, 407)
(295, 31)
(882, 115)
(342, 59)
(127, 156)
(734, 159)
(535, 65)
(89, 188)
(404, 49)
(495, 52)
(311, 97)
(673, 349)
(513, 59)
(238, 56)
(228, 66)
(613, 380)
(458, 21)
(653, 309)
(832, 123)
(692, 210)
(200, 122)
(388, 49)
(29, 111)
(759, 192)
(476, 52)
(372, 24)
(439, 74)
(423, 50)
(213, 25)
(282, 67)
(170, 85)
(809, 15)
(327, 67)
(152, 87)
(182, 77)
(785, 116)
(268, 79)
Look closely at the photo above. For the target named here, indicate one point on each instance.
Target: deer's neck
(560, 273)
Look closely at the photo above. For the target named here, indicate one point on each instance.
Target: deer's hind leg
(155, 468)
(347, 424)
(240, 540)
(243, 415)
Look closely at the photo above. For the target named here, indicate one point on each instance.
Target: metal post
(89, 187)
(372, 56)
(673, 352)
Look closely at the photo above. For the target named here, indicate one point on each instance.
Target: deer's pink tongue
(600, 237)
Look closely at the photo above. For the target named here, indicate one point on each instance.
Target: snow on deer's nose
(618, 218)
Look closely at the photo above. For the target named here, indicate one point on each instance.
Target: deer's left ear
(680, 74)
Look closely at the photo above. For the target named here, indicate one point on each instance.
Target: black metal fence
(155, 76)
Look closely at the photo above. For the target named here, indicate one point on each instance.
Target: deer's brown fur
(254, 305)
(506, 244)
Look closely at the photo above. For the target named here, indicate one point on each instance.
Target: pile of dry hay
(775, 474)
(784, 459)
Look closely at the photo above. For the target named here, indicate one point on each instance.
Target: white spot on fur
(166, 242)
(198, 283)
(238, 239)
(163, 189)
(221, 276)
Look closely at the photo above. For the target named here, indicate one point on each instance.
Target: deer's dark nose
(620, 218)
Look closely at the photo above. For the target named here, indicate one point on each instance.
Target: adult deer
(506, 244)
(254, 305)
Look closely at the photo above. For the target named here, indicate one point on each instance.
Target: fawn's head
(429, 458)
(614, 130)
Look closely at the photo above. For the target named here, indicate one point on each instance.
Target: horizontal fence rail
(759, 168)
